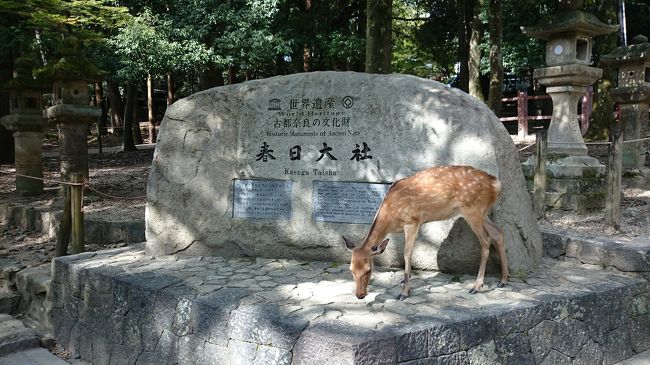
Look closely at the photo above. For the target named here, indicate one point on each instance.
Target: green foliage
(522, 54)
(424, 41)
(338, 47)
(130, 38)
(145, 45)
(426, 38)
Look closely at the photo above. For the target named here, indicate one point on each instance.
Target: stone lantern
(575, 179)
(26, 121)
(633, 95)
(71, 111)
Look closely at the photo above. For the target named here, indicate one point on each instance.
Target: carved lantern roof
(571, 21)
(25, 99)
(633, 73)
(637, 51)
(23, 78)
(71, 66)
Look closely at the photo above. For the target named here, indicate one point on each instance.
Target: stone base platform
(123, 307)
(45, 219)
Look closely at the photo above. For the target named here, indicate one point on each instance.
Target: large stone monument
(633, 95)
(282, 167)
(575, 179)
(26, 121)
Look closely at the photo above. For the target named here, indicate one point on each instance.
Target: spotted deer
(434, 194)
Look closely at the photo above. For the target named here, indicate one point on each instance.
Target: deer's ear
(376, 250)
(348, 244)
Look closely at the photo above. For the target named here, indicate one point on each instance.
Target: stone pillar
(73, 144)
(634, 117)
(564, 130)
(29, 161)
(632, 93)
(26, 122)
(72, 122)
(71, 110)
(575, 180)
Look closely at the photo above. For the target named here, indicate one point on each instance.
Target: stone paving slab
(35, 356)
(624, 255)
(121, 306)
(14, 336)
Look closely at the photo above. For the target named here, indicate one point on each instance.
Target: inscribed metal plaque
(262, 199)
(347, 202)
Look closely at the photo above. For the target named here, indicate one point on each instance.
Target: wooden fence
(522, 118)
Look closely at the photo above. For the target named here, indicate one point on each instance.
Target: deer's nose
(361, 295)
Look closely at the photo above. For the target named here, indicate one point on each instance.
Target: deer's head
(361, 264)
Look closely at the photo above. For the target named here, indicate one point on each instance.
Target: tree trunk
(101, 103)
(496, 61)
(210, 78)
(232, 75)
(129, 116)
(150, 116)
(39, 46)
(379, 41)
(137, 133)
(476, 37)
(171, 88)
(306, 48)
(603, 105)
(6, 138)
(117, 108)
(462, 8)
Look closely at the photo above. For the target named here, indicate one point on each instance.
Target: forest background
(157, 51)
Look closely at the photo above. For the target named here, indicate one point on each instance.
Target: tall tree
(128, 137)
(603, 105)
(474, 64)
(117, 107)
(379, 36)
(6, 139)
(496, 61)
(463, 8)
(306, 49)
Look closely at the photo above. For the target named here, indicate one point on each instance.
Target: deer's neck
(378, 230)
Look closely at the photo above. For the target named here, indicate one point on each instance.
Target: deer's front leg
(410, 234)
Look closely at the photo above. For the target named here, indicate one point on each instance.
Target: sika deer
(435, 194)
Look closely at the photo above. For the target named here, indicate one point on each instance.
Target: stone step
(624, 255)
(14, 336)
(126, 306)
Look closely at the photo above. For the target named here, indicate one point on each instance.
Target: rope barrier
(637, 140)
(527, 147)
(85, 185)
(113, 196)
(39, 178)
(597, 143)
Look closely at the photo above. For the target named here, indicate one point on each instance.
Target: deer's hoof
(402, 297)
(501, 284)
(473, 291)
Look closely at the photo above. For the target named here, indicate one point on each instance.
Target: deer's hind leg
(476, 223)
(497, 235)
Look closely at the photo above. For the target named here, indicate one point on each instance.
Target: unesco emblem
(347, 102)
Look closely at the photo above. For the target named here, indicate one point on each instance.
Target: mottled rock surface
(301, 130)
